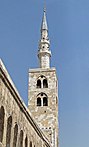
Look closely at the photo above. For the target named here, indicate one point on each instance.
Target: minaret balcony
(45, 41)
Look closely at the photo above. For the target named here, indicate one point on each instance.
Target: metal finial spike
(44, 5)
(44, 21)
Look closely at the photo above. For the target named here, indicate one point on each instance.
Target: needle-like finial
(44, 5)
(44, 21)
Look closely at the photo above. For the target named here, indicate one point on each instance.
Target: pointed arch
(8, 134)
(42, 82)
(21, 139)
(30, 143)
(38, 83)
(38, 101)
(15, 135)
(45, 101)
(26, 142)
(42, 99)
(45, 83)
(2, 114)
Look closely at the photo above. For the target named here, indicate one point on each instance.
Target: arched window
(42, 82)
(8, 135)
(38, 101)
(26, 142)
(30, 144)
(45, 84)
(2, 113)
(45, 101)
(42, 99)
(38, 83)
(21, 139)
(15, 135)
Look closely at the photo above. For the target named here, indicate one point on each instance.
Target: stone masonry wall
(46, 116)
(17, 128)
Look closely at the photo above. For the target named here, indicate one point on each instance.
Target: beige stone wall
(44, 60)
(46, 116)
(15, 108)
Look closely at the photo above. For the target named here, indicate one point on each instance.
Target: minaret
(43, 89)
(44, 52)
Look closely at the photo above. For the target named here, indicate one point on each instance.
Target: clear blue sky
(68, 21)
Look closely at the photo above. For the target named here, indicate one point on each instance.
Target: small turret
(44, 52)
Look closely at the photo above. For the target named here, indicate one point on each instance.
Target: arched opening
(38, 101)
(2, 113)
(15, 135)
(45, 101)
(21, 139)
(56, 100)
(45, 84)
(8, 135)
(30, 144)
(38, 83)
(42, 99)
(26, 142)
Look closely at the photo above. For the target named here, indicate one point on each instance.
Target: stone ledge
(42, 69)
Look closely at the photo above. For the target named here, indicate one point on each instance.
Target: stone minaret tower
(44, 53)
(43, 89)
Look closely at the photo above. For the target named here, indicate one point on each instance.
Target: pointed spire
(44, 20)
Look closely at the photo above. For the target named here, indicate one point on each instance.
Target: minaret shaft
(44, 53)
